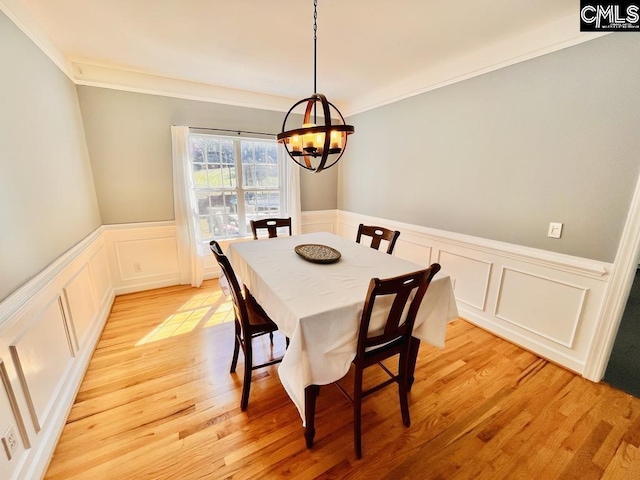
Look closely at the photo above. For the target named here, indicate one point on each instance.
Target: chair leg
(271, 337)
(414, 347)
(357, 412)
(248, 364)
(403, 389)
(236, 348)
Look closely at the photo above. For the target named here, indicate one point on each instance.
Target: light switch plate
(555, 230)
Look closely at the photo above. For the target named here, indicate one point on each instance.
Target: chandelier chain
(315, 42)
(315, 18)
(316, 147)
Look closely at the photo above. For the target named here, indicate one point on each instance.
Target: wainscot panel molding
(319, 221)
(142, 256)
(545, 302)
(48, 331)
(313, 221)
(44, 342)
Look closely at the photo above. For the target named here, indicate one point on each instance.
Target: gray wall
(501, 155)
(129, 141)
(497, 156)
(47, 198)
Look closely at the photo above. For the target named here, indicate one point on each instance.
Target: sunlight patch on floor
(203, 299)
(223, 314)
(202, 309)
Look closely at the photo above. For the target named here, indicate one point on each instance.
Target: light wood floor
(158, 402)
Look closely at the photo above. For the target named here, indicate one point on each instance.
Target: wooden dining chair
(391, 339)
(251, 321)
(271, 225)
(378, 234)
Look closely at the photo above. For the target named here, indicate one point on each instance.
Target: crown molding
(549, 38)
(95, 75)
(25, 22)
(85, 73)
(546, 39)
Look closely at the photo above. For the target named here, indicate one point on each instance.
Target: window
(235, 180)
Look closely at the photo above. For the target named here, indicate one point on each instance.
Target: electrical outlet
(137, 267)
(10, 442)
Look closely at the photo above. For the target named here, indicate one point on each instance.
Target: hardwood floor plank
(620, 465)
(158, 402)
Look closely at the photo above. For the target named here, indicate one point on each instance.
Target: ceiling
(260, 52)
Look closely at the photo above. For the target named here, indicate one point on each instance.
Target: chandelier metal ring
(311, 142)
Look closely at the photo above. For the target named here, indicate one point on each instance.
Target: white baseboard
(37, 465)
(143, 286)
(545, 302)
(54, 320)
(528, 342)
(151, 249)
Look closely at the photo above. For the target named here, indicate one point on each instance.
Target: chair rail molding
(545, 302)
(19, 300)
(578, 305)
(143, 256)
(37, 328)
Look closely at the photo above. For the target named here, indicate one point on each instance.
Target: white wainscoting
(316, 221)
(319, 221)
(45, 341)
(545, 302)
(49, 327)
(142, 256)
(48, 331)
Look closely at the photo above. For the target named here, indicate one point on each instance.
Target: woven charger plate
(318, 253)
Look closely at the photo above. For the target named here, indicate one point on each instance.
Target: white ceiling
(256, 52)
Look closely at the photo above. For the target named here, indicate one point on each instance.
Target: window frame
(240, 190)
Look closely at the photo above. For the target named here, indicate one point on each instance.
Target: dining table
(317, 303)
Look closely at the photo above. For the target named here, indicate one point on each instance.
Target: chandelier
(314, 146)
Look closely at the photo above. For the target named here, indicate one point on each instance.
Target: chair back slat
(271, 225)
(378, 234)
(399, 322)
(394, 318)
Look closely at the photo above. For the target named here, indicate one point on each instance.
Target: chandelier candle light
(312, 145)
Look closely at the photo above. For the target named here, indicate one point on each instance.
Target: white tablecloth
(318, 306)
